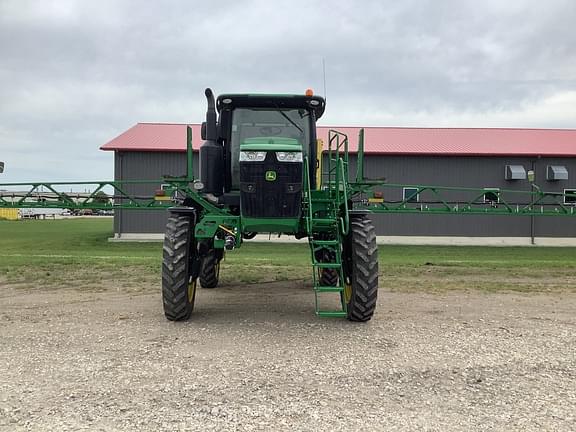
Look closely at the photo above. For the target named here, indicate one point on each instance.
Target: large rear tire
(180, 265)
(360, 259)
(210, 272)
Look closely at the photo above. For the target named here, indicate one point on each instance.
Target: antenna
(324, 76)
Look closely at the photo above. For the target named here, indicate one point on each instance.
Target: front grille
(280, 198)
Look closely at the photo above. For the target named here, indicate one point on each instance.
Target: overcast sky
(75, 74)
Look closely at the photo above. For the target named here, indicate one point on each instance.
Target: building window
(491, 195)
(410, 195)
(570, 196)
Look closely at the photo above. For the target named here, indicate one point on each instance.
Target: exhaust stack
(212, 152)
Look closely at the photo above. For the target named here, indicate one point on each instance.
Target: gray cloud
(74, 74)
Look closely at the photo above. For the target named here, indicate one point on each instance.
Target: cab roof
(316, 103)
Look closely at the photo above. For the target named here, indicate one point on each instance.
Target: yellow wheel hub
(347, 291)
(191, 290)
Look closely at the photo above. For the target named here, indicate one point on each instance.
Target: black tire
(360, 258)
(180, 266)
(210, 271)
(249, 235)
(327, 276)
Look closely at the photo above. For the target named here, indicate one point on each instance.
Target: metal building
(463, 157)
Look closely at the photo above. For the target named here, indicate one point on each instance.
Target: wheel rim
(191, 291)
(347, 291)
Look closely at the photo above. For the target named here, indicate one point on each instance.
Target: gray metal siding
(425, 170)
(146, 166)
(473, 172)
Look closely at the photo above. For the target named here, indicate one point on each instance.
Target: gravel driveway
(256, 358)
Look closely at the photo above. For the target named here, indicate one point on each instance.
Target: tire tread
(364, 251)
(177, 240)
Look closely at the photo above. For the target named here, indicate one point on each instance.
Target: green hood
(270, 144)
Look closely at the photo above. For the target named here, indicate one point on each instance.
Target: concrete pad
(387, 240)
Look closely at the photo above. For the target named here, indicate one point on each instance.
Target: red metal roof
(155, 137)
(383, 140)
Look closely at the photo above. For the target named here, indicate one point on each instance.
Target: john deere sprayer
(263, 170)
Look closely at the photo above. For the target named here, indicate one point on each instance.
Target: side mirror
(1, 167)
(203, 131)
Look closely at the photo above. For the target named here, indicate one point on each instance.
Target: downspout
(119, 211)
(532, 242)
(532, 221)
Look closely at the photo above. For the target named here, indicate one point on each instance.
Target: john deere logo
(270, 175)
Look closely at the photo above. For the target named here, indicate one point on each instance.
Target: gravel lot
(256, 358)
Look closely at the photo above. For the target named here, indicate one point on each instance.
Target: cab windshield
(257, 122)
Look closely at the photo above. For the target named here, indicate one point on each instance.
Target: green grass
(75, 253)
(72, 253)
(80, 237)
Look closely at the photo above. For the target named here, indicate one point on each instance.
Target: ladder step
(327, 265)
(324, 221)
(322, 288)
(336, 314)
(325, 242)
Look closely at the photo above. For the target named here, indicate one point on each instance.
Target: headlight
(252, 156)
(289, 156)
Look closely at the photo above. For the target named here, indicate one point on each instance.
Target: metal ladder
(323, 226)
(330, 253)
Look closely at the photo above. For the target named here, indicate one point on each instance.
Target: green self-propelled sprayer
(260, 172)
(263, 170)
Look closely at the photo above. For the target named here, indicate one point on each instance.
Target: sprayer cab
(257, 149)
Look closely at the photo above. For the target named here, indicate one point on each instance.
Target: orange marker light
(309, 92)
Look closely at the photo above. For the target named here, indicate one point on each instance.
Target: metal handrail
(344, 222)
(309, 196)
